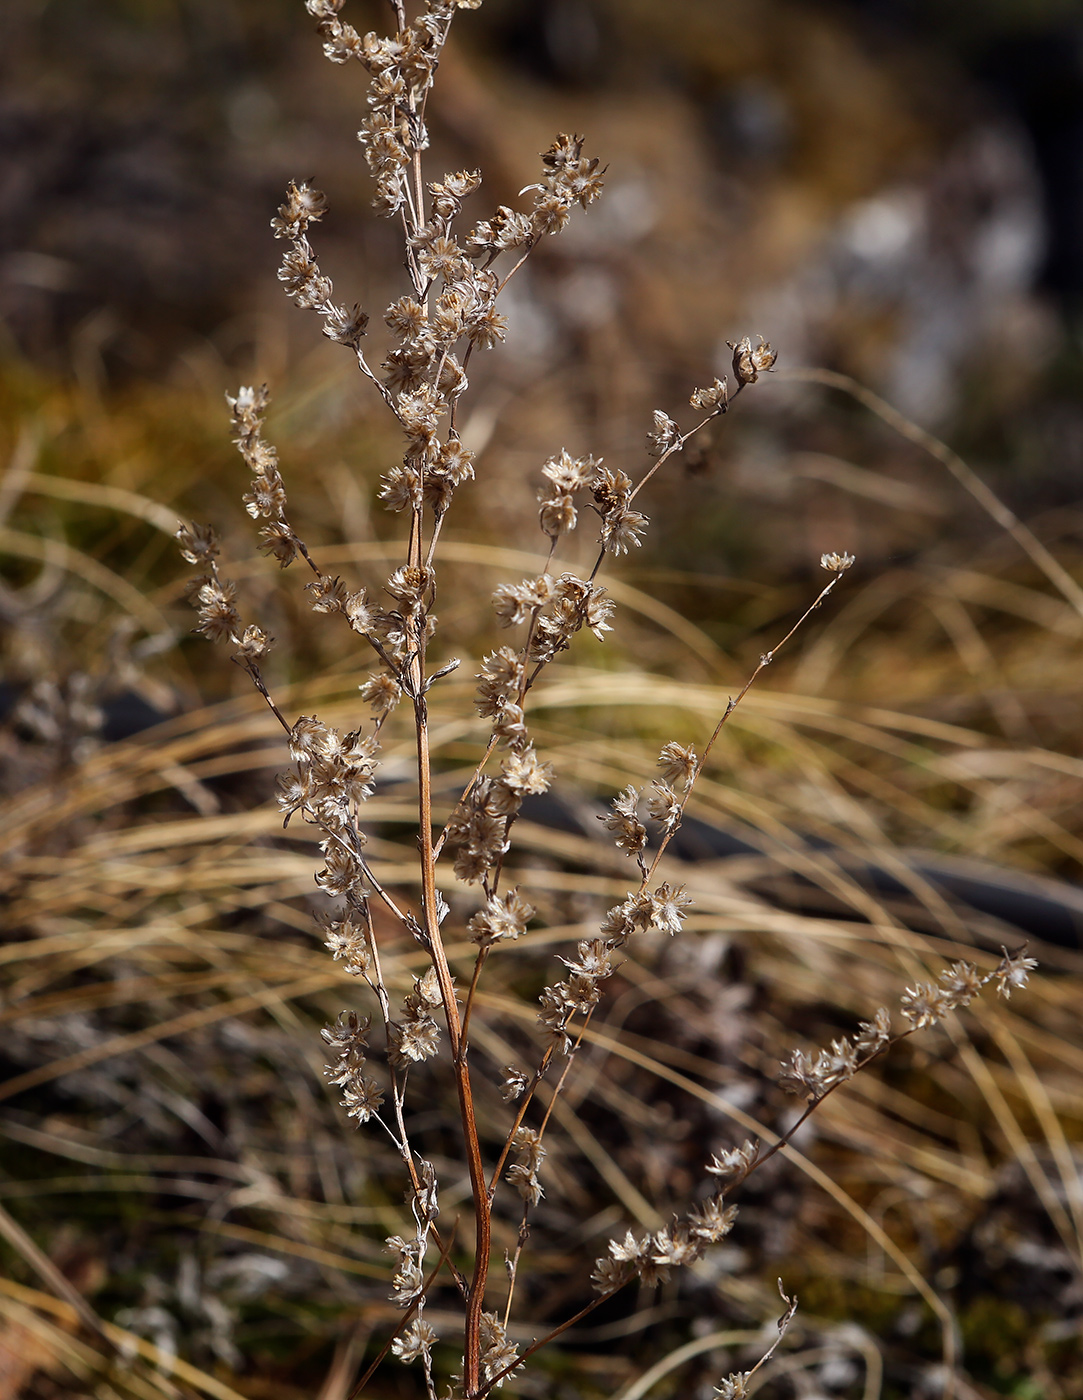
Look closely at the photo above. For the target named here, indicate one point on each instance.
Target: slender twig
(764, 661)
(512, 1265)
(524, 1104)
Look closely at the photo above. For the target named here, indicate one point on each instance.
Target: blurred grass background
(891, 190)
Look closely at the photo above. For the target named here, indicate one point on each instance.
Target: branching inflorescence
(449, 310)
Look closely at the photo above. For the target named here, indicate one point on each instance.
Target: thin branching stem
(407, 1317)
(764, 661)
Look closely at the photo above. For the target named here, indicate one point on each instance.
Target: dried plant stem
(407, 1317)
(528, 1095)
(764, 661)
(449, 312)
(678, 446)
(513, 1267)
(430, 905)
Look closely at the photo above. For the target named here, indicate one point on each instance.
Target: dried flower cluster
(348, 1038)
(448, 311)
(415, 1339)
(922, 1006)
(651, 1258)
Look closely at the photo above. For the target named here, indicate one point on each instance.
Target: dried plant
(457, 272)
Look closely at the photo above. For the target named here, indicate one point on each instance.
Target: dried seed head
(873, 1035)
(594, 960)
(750, 361)
(524, 772)
(219, 620)
(248, 407)
(960, 983)
(628, 831)
(408, 1277)
(412, 1041)
(456, 462)
(345, 325)
(621, 529)
(1012, 971)
(416, 1340)
(255, 644)
(664, 436)
(514, 1081)
(714, 398)
(343, 874)
(198, 543)
(278, 540)
(503, 918)
(799, 1076)
(329, 594)
(303, 204)
(924, 1005)
(734, 1161)
(836, 563)
(664, 806)
(569, 474)
(713, 1220)
(409, 584)
(557, 516)
(496, 1351)
(678, 764)
(382, 692)
(347, 941)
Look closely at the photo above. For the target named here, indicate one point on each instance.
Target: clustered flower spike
(497, 1352)
(213, 596)
(417, 1036)
(569, 178)
(660, 911)
(504, 918)
(347, 941)
(577, 994)
(523, 1173)
(300, 273)
(553, 610)
(333, 775)
(477, 831)
(407, 1285)
(361, 1097)
(455, 289)
(652, 1258)
(922, 1005)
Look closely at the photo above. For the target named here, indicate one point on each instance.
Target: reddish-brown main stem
(482, 1230)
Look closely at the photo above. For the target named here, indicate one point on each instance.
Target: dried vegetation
(172, 1153)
